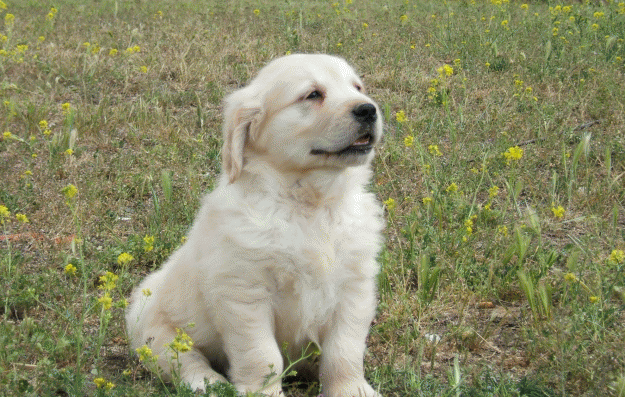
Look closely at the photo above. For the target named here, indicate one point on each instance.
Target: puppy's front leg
(342, 350)
(253, 352)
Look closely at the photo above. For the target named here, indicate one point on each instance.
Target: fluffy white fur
(283, 251)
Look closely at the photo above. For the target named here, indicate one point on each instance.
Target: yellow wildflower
(106, 301)
(513, 153)
(493, 191)
(427, 200)
(503, 230)
(143, 69)
(400, 116)
(66, 107)
(4, 212)
(182, 342)
(99, 382)
(69, 152)
(108, 280)
(593, 299)
(124, 258)
(617, 256)
(403, 18)
(3, 6)
(9, 19)
(144, 353)
(390, 204)
(408, 141)
(149, 243)
(434, 150)
(69, 191)
(70, 270)
(43, 124)
(452, 188)
(570, 277)
(7, 135)
(558, 211)
(445, 70)
(22, 218)
(146, 292)
(257, 12)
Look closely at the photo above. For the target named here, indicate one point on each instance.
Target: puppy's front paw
(361, 389)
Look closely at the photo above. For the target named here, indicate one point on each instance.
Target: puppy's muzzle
(365, 113)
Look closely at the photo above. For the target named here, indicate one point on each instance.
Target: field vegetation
(502, 173)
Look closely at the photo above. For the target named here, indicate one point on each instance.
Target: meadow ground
(502, 173)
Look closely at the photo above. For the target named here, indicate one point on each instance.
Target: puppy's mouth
(362, 145)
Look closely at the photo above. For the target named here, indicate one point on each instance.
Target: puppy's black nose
(365, 113)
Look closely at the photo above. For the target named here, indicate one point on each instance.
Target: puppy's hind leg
(177, 358)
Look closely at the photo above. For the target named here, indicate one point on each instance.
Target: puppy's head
(301, 112)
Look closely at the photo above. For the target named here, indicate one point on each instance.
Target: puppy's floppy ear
(242, 115)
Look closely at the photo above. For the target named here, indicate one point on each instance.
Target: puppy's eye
(358, 87)
(315, 95)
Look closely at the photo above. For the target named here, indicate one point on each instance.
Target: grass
(502, 174)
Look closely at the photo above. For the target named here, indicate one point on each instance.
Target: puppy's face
(302, 112)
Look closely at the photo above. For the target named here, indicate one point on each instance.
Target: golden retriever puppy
(283, 251)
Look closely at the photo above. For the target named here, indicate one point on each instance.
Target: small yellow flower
(427, 200)
(408, 141)
(41, 39)
(146, 292)
(69, 152)
(43, 124)
(124, 258)
(69, 191)
(503, 230)
(487, 64)
(390, 204)
(108, 280)
(504, 23)
(149, 243)
(434, 150)
(616, 256)
(3, 6)
(144, 352)
(558, 211)
(106, 301)
(403, 18)
(143, 69)
(445, 70)
(47, 132)
(570, 277)
(524, 6)
(9, 19)
(593, 299)
(70, 270)
(123, 303)
(493, 191)
(113, 52)
(365, 25)
(400, 116)
(7, 135)
(594, 26)
(136, 49)
(22, 218)
(257, 12)
(66, 107)
(99, 382)
(513, 153)
(86, 44)
(4, 212)
(182, 342)
(452, 188)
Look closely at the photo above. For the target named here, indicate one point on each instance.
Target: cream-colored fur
(282, 252)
